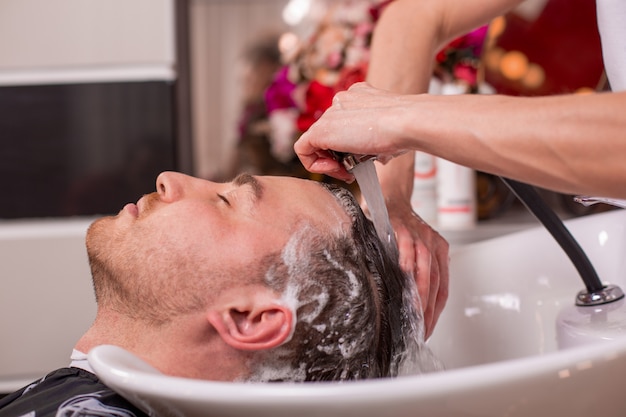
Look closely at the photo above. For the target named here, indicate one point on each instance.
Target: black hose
(535, 204)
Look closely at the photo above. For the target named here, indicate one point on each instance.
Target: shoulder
(67, 391)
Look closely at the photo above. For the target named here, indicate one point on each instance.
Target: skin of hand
(398, 64)
(424, 254)
(352, 124)
(554, 142)
(423, 251)
(402, 55)
(366, 120)
(401, 62)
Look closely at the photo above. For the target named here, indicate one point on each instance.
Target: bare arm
(406, 39)
(410, 32)
(407, 36)
(553, 142)
(569, 143)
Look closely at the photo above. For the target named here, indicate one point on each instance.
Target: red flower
(466, 73)
(377, 10)
(352, 75)
(318, 98)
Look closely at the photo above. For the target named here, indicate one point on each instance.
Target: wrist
(396, 177)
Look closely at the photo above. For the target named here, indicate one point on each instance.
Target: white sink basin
(497, 338)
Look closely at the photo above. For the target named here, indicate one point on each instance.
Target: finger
(422, 276)
(424, 284)
(433, 298)
(418, 268)
(307, 151)
(321, 162)
(443, 264)
(332, 168)
(406, 250)
(415, 260)
(439, 280)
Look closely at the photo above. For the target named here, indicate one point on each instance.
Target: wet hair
(356, 309)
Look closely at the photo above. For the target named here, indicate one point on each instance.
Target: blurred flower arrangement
(336, 56)
(459, 62)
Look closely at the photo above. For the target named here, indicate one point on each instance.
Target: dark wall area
(83, 149)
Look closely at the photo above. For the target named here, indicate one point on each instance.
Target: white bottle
(456, 187)
(424, 196)
(456, 196)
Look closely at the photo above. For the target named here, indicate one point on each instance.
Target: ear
(253, 327)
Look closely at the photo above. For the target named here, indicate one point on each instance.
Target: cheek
(201, 239)
(202, 244)
(248, 247)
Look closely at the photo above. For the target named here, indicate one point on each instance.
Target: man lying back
(259, 279)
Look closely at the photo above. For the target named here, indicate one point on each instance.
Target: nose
(171, 186)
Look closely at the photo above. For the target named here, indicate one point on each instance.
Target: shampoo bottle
(456, 186)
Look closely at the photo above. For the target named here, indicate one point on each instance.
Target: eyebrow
(247, 179)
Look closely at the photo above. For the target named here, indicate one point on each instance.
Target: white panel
(87, 75)
(45, 35)
(47, 300)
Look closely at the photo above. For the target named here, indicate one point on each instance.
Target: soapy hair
(355, 308)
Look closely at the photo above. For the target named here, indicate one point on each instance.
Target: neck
(185, 347)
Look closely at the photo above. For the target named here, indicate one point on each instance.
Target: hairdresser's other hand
(423, 251)
(424, 255)
(353, 125)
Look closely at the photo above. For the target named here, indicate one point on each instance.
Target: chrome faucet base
(606, 295)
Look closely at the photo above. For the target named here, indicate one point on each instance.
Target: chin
(97, 235)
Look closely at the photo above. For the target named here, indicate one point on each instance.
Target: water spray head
(348, 160)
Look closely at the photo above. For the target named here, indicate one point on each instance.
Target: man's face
(192, 227)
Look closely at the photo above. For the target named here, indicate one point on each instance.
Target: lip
(144, 204)
(132, 209)
(141, 203)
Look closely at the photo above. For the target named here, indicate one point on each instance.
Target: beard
(94, 236)
(116, 280)
(101, 242)
(98, 242)
(137, 277)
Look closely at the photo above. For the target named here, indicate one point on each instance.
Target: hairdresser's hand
(360, 121)
(423, 254)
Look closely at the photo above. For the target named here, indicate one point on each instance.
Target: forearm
(403, 47)
(571, 143)
(401, 61)
(407, 36)
(410, 32)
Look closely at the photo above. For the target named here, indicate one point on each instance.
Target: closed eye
(224, 199)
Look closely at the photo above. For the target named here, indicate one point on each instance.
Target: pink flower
(466, 73)
(278, 94)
